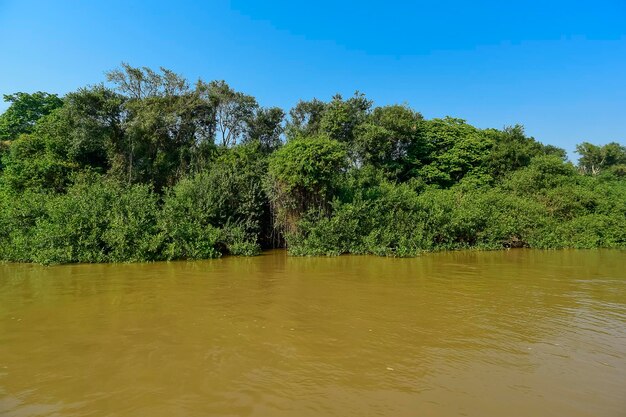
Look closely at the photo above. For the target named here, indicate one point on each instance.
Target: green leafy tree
(220, 210)
(305, 119)
(39, 160)
(233, 111)
(24, 111)
(167, 127)
(80, 135)
(385, 138)
(304, 175)
(91, 120)
(448, 150)
(341, 117)
(594, 159)
(513, 150)
(266, 128)
(544, 172)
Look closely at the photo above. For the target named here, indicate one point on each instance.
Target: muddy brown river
(509, 333)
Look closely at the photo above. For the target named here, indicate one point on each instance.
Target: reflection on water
(513, 333)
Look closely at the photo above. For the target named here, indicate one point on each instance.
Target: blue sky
(557, 67)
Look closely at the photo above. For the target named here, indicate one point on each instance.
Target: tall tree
(232, 110)
(386, 137)
(305, 118)
(266, 128)
(304, 175)
(594, 159)
(168, 127)
(513, 150)
(342, 117)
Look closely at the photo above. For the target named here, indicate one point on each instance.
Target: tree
(232, 111)
(594, 159)
(449, 150)
(304, 175)
(542, 173)
(92, 120)
(385, 138)
(341, 117)
(168, 128)
(266, 128)
(513, 150)
(139, 83)
(305, 118)
(24, 111)
(223, 205)
(38, 161)
(80, 135)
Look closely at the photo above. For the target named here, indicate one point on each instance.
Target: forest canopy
(147, 166)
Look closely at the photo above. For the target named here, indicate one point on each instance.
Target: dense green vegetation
(147, 167)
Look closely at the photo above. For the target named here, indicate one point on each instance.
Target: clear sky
(557, 67)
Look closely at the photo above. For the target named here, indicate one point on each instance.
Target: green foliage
(36, 162)
(233, 111)
(265, 128)
(304, 175)
(19, 214)
(168, 130)
(305, 119)
(24, 111)
(4, 150)
(543, 172)
(151, 168)
(95, 221)
(513, 150)
(223, 209)
(396, 220)
(595, 159)
(81, 135)
(90, 122)
(451, 149)
(185, 223)
(584, 232)
(238, 242)
(309, 165)
(341, 117)
(386, 138)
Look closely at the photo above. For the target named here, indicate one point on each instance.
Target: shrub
(96, 221)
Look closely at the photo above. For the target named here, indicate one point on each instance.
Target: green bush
(19, 214)
(218, 211)
(304, 176)
(383, 220)
(95, 221)
(185, 221)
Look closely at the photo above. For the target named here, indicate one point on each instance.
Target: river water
(509, 333)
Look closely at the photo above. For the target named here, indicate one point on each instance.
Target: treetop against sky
(557, 68)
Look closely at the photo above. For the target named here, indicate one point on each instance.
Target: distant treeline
(147, 167)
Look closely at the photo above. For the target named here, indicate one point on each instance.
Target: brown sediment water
(509, 333)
